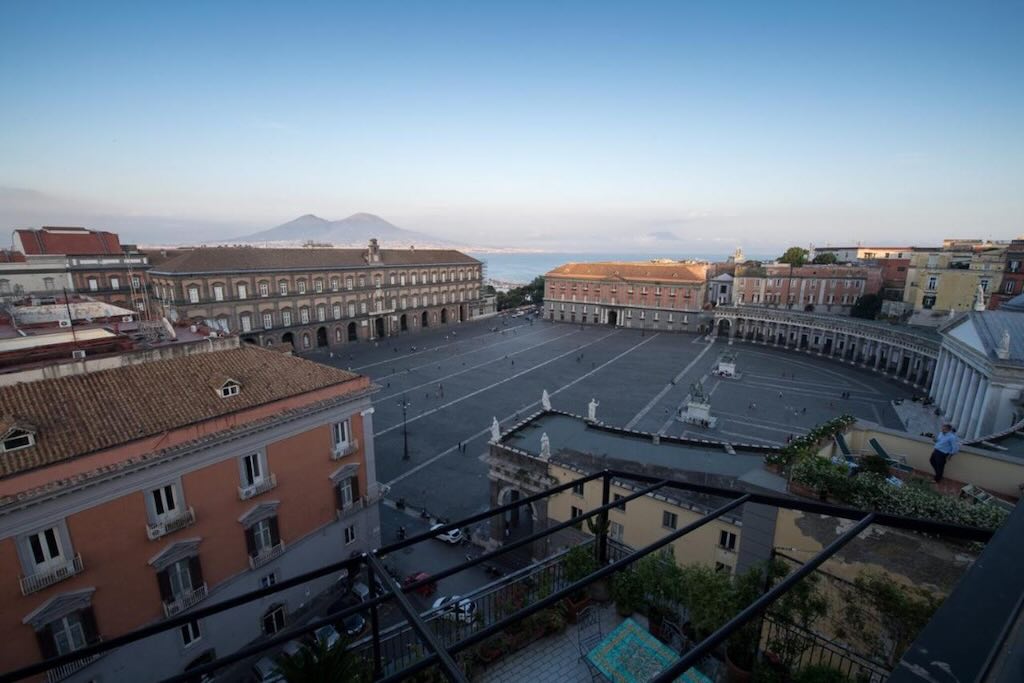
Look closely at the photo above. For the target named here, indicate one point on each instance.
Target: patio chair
(588, 630)
(896, 463)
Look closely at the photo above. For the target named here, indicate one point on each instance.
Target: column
(929, 373)
(940, 378)
(878, 353)
(949, 393)
(985, 422)
(967, 388)
(974, 424)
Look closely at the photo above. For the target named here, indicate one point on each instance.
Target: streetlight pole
(405, 428)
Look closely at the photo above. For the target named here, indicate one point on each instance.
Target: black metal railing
(440, 644)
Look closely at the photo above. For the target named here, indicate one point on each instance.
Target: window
(48, 283)
(412, 278)
(1008, 287)
(273, 620)
(165, 501)
(577, 489)
(933, 282)
(341, 432)
(616, 498)
(218, 292)
(46, 549)
(727, 540)
(268, 320)
(391, 278)
(263, 536)
(246, 320)
(321, 312)
(264, 289)
(304, 314)
(616, 531)
(336, 311)
(348, 283)
(302, 286)
(362, 307)
(576, 513)
(286, 317)
(928, 302)
(268, 580)
(176, 582)
(193, 295)
(115, 282)
(230, 389)
(401, 279)
(377, 280)
(351, 310)
(17, 439)
(350, 535)
(334, 284)
(252, 469)
(362, 281)
(318, 285)
(190, 633)
(984, 285)
(243, 290)
(669, 520)
(282, 287)
(348, 491)
(70, 632)
(94, 285)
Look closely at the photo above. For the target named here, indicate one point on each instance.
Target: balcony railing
(266, 555)
(183, 602)
(262, 486)
(169, 525)
(343, 449)
(353, 507)
(40, 580)
(59, 673)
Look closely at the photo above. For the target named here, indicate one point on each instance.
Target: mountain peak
(365, 217)
(357, 229)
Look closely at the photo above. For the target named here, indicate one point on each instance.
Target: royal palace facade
(319, 297)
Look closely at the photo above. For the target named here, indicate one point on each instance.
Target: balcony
(260, 487)
(168, 525)
(40, 580)
(353, 508)
(344, 449)
(185, 601)
(59, 673)
(266, 555)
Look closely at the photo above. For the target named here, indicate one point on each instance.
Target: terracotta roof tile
(75, 241)
(82, 414)
(233, 259)
(647, 271)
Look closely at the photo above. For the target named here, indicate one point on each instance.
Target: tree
(825, 258)
(488, 290)
(867, 306)
(532, 293)
(316, 662)
(794, 256)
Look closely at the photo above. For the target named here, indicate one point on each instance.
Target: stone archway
(724, 327)
(424, 320)
(613, 318)
(321, 336)
(288, 338)
(353, 333)
(378, 326)
(518, 522)
(403, 323)
(444, 316)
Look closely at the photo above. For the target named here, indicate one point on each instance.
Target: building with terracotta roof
(92, 262)
(133, 494)
(319, 297)
(819, 288)
(654, 295)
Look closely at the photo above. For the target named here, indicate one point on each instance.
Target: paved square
(457, 378)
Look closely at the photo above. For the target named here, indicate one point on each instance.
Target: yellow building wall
(642, 522)
(956, 287)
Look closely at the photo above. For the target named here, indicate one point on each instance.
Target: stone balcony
(56, 574)
(266, 555)
(169, 525)
(183, 602)
(260, 487)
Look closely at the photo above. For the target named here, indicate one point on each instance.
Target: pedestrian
(803, 411)
(780, 394)
(946, 446)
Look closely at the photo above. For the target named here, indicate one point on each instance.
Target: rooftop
(254, 259)
(77, 415)
(71, 241)
(640, 271)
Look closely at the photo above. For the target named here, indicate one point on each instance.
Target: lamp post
(404, 404)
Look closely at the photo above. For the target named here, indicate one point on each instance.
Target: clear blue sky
(554, 122)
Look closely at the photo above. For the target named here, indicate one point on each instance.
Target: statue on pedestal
(545, 400)
(495, 430)
(592, 410)
(545, 446)
(697, 394)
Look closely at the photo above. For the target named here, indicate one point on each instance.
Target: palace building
(319, 297)
(653, 295)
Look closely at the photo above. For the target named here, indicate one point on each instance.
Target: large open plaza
(456, 379)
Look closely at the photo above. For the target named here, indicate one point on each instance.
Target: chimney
(374, 251)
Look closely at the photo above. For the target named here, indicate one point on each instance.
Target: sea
(522, 268)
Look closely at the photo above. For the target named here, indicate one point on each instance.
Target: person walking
(946, 446)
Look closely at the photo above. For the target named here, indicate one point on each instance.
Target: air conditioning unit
(63, 323)
(78, 354)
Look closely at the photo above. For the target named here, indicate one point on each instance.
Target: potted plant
(627, 591)
(598, 526)
(579, 563)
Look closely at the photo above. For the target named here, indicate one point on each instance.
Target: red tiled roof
(234, 259)
(646, 271)
(11, 256)
(73, 241)
(81, 414)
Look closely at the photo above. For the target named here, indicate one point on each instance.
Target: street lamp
(404, 404)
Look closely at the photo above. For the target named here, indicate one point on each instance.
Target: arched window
(336, 309)
(304, 314)
(321, 312)
(282, 287)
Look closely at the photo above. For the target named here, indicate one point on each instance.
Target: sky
(581, 126)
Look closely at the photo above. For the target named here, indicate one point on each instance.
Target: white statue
(545, 446)
(545, 400)
(495, 430)
(592, 410)
(979, 299)
(1003, 352)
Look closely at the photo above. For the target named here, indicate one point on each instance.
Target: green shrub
(820, 673)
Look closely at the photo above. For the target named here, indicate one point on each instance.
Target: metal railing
(262, 486)
(266, 555)
(59, 673)
(169, 525)
(815, 649)
(344, 449)
(40, 580)
(437, 652)
(183, 602)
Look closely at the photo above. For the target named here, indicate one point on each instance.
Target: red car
(427, 589)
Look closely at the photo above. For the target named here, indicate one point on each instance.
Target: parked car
(354, 623)
(361, 591)
(453, 536)
(427, 589)
(265, 669)
(456, 608)
(328, 635)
